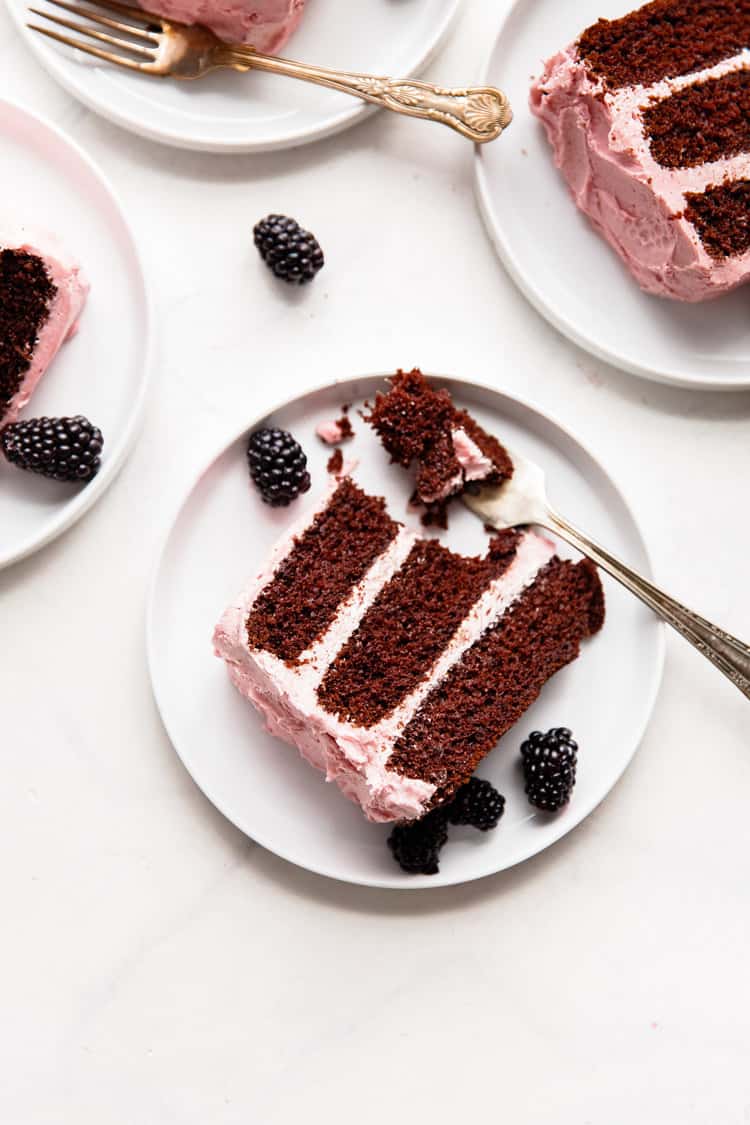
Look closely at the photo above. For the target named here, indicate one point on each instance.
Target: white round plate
(229, 112)
(549, 248)
(49, 184)
(223, 533)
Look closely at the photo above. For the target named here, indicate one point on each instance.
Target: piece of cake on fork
(419, 425)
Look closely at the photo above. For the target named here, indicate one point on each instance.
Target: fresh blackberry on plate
(416, 846)
(478, 804)
(278, 466)
(549, 767)
(293, 254)
(66, 449)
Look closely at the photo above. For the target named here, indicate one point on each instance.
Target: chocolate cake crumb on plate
(335, 462)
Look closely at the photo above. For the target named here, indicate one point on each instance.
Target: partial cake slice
(649, 120)
(419, 424)
(263, 24)
(42, 293)
(393, 664)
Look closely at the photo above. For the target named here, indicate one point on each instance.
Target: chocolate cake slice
(649, 120)
(394, 664)
(418, 423)
(41, 297)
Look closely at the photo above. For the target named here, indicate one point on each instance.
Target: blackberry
(416, 846)
(478, 804)
(292, 253)
(66, 449)
(549, 767)
(278, 466)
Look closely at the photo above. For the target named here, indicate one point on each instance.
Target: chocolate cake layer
(26, 294)
(407, 627)
(665, 39)
(327, 560)
(721, 215)
(500, 676)
(701, 123)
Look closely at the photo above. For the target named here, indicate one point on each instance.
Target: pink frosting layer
(600, 147)
(330, 432)
(474, 466)
(264, 24)
(356, 758)
(62, 322)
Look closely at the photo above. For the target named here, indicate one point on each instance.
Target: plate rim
(494, 228)
(53, 62)
(562, 828)
(77, 506)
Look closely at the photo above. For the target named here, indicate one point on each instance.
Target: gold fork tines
(166, 48)
(136, 31)
(92, 33)
(88, 48)
(91, 13)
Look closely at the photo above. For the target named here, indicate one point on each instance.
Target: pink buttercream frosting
(473, 466)
(330, 432)
(263, 24)
(65, 309)
(356, 758)
(602, 151)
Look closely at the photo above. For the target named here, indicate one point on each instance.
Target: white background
(159, 968)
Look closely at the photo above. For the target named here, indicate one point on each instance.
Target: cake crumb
(335, 431)
(336, 462)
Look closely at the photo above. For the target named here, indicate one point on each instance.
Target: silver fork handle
(730, 656)
(480, 113)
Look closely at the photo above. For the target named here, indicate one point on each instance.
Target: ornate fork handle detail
(729, 655)
(480, 113)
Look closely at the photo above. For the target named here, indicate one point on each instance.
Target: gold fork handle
(480, 113)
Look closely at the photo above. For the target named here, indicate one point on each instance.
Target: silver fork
(164, 48)
(523, 500)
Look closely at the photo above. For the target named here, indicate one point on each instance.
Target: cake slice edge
(64, 310)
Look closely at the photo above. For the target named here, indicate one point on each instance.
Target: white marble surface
(159, 969)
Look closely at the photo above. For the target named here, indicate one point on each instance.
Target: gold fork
(167, 49)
